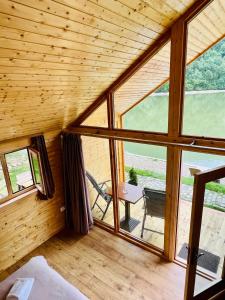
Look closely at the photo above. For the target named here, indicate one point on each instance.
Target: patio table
(130, 194)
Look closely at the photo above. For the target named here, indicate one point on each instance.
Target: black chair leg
(105, 210)
(143, 225)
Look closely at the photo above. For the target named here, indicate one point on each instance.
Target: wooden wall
(56, 57)
(28, 222)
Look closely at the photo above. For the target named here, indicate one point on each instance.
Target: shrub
(133, 177)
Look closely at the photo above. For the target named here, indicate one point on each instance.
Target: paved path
(147, 163)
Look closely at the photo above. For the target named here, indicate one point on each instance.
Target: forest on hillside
(207, 72)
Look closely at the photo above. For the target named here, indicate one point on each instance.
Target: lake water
(204, 115)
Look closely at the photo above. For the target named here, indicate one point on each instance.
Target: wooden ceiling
(58, 56)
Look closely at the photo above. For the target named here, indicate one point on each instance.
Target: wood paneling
(28, 222)
(57, 57)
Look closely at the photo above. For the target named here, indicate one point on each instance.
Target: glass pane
(97, 165)
(151, 114)
(142, 185)
(35, 163)
(3, 187)
(204, 103)
(213, 218)
(134, 101)
(212, 237)
(19, 170)
(99, 117)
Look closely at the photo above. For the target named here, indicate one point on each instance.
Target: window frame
(12, 195)
(40, 186)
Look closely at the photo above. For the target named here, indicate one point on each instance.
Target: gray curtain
(38, 142)
(78, 212)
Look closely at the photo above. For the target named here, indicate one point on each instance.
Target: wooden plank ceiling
(57, 56)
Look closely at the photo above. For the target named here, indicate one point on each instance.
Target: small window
(3, 187)
(19, 170)
(37, 169)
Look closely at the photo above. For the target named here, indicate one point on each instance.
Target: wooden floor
(104, 266)
(212, 233)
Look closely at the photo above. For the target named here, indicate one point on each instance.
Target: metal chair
(99, 187)
(154, 206)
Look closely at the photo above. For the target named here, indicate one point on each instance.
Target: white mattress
(48, 284)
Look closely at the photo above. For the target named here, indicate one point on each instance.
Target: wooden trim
(195, 9)
(184, 143)
(199, 272)
(104, 225)
(7, 178)
(173, 170)
(16, 197)
(120, 148)
(213, 289)
(176, 97)
(200, 181)
(110, 107)
(177, 77)
(113, 164)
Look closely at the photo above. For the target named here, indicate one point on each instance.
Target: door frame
(215, 287)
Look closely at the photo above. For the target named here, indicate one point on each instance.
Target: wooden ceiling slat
(89, 14)
(57, 51)
(29, 19)
(34, 56)
(105, 48)
(130, 13)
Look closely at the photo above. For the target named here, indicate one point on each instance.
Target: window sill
(17, 198)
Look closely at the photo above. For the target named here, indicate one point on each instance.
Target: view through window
(142, 189)
(19, 169)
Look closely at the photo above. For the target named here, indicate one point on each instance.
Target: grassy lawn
(211, 186)
(14, 172)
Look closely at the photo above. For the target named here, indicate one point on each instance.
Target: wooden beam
(176, 98)
(113, 163)
(213, 146)
(110, 110)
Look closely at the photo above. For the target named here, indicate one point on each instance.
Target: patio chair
(99, 187)
(154, 206)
